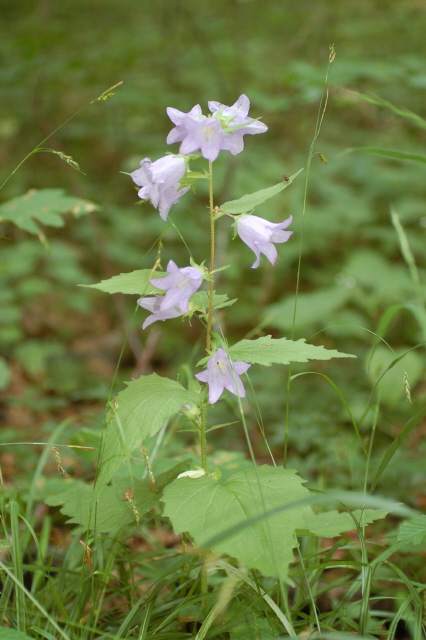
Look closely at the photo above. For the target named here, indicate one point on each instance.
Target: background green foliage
(60, 344)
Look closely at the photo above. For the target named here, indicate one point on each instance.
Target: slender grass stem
(321, 111)
(104, 96)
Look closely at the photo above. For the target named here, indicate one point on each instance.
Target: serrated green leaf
(205, 508)
(413, 531)
(252, 200)
(228, 516)
(268, 350)
(331, 523)
(107, 511)
(200, 301)
(138, 412)
(138, 283)
(45, 206)
(134, 283)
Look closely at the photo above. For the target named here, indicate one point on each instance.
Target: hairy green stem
(203, 439)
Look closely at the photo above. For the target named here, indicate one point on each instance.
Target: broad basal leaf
(138, 411)
(229, 516)
(107, 511)
(269, 350)
(110, 508)
(413, 531)
(252, 200)
(45, 206)
(206, 508)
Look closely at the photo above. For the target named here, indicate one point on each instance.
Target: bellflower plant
(223, 374)
(150, 401)
(194, 501)
(160, 182)
(260, 234)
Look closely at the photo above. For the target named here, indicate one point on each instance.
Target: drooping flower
(180, 285)
(260, 234)
(222, 374)
(154, 305)
(210, 135)
(160, 182)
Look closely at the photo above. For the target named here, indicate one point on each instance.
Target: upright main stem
(212, 259)
(203, 440)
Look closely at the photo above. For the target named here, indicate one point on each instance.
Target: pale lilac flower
(259, 234)
(160, 182)
(154, 305)
(197, 133)
(222, 374)
(178, 118)
(210, 135)
(205, 135)
(238, 115)
(180, 285)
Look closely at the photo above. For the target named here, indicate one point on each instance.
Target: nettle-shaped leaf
(232, 517)
(268, 350)
(252, 200)
(123, 503)
(133, 283)
(138, 283)
(43, 206)
(413, 532)
(107, 511)
(136, 413)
